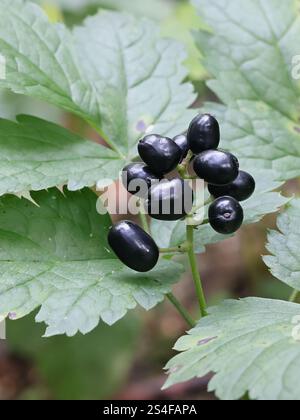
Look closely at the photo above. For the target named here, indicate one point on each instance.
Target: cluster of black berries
(161, 155)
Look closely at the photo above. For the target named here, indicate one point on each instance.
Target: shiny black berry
(133, 246)
(161, 154)
(225, 215)
(137, 178)
(216, 167)
(203, 133)
(241, 188)
(182, 142)
(170, 200)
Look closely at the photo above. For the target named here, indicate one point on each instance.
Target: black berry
(225, 215)
(182, 142)
(133, 246)
(203, 133)
(241, 188)
(216, 167)
(137, 178)
(170, 200)
(161, 154)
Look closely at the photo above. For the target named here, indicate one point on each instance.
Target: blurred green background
(125, 361)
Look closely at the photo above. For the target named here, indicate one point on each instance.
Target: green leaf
(251, 345)
(107, 352)
(56, 256)
(251, 49)
(254, 124)
(284, 247)
(40, 59)
(260, 137)
(249, 53)
(36, 154)
(115, 71)
(137, 77)
(157, 9)
(264, 201)
(179, 25)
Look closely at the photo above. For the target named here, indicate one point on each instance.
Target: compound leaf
(284, 262)
(40, 59)
(36, 154)
(250, 53)
(137, 76)
(114, 71)
(251, 345)
(56, 256)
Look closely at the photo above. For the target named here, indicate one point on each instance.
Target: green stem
(181, 171)
(209, 200)
(294, 296)
(177, 249)
(144, 221)
(183, 168)
(195, 271)
(183, 312)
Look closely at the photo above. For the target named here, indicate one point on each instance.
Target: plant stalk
(178, 249)
(183, 312)
(183, 168)
(294, 296)
(195, 271)
(144, 220)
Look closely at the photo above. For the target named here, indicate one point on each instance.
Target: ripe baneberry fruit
(161, 154)
(133, 246)
(225, 215)
(137, 178)
(170, 200)
(182, 142)
(241, 188)
(203, 133)
(216, 167)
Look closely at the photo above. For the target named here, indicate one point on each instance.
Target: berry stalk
(195, 271)
(183, 248)
(295, 296)
(183, 168)
(175, 250)
(144, 221)
(181, 309)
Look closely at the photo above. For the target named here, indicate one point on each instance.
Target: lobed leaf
(56, 256)
(40, 59)
(251, 345)
(36, 154)
(284, 263)
(250, 53)
(137, 77)
(114, 71)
